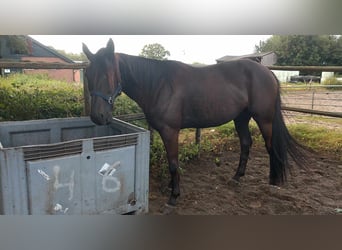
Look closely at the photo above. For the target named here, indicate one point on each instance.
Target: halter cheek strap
(109, 99)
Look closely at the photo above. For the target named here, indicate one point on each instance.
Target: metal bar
(44, 65)
(131, 117)
(314, 112)
(307, 68)
(41, 65)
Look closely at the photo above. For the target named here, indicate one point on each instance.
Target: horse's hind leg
(241, 126)
(266, 131)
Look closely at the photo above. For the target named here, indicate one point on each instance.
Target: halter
(110, 99)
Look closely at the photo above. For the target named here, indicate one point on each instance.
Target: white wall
(284, 75)
(326, 75)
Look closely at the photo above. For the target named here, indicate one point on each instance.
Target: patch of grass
(290, 87)
(327, 122)
(319, 139)
(188, 150)
(228, 131)
(333, 81)
(158, 156)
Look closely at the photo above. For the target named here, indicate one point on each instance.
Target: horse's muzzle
(101, 119)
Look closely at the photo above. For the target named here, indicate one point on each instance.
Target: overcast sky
(186, 48)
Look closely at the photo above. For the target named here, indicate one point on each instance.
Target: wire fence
(313, 99)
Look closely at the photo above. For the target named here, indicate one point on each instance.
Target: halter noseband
(109, 99)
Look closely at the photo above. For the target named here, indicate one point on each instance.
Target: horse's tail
(283, 144)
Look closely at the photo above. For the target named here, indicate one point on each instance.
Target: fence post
(198, 135)
(86, 95)
(151, 134)
(313, 99)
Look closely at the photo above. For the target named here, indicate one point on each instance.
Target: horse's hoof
(172, 201)
(169, 209)
(233, 182)
(274, 182)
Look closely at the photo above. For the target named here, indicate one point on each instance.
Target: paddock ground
(207, 189)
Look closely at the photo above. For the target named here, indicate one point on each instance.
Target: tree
(304, 50)
(335, 51)
(16, 43)
(155, 51)
(73, 56)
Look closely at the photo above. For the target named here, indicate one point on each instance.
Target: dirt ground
(207, 189)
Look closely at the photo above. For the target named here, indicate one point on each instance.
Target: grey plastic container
(71, 166)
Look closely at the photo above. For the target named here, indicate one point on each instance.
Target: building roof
(35, 49)
(254, 56)
(37, 45)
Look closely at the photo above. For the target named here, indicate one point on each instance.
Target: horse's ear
(87, 52)
(110, 46)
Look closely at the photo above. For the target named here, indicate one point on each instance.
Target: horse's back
(216, 94)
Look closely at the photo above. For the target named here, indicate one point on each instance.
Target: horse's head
(103, 77)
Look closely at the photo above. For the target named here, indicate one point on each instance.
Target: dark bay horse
(174, 95)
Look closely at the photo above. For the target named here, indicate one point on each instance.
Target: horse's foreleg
(241, 126)
(170, 139)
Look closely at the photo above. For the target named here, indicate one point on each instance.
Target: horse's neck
(132, 84)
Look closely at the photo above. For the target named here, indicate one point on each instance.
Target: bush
(28, 97)
(31, 97)
(124, 105)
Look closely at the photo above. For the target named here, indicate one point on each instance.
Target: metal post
(86, 94)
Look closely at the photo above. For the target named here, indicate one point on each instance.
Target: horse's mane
(137, 69)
